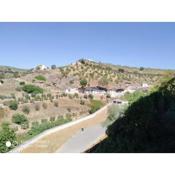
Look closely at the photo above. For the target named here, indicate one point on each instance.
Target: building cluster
(113, 92)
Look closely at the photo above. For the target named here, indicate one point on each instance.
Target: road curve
(57, 129)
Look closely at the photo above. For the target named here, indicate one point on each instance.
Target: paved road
(83, 140)
(34, 145)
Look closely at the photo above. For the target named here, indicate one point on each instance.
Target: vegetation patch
(32, 89)
(40, 78)
(95, 105)
(13, 105)
(39, 128)
(132, 97)
(19, 119)
(7, 135)
(26, 109)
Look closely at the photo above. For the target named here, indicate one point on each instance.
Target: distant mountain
(13, 69)
(10, 72)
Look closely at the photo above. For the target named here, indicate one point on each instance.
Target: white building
(71, 91)
(145, 85)
(41, 67)
(95, 90)
(116, 92)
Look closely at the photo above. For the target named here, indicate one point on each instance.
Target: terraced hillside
(111, 75)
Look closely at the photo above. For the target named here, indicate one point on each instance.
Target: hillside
(111, 75)
(12, 72)
(148, 125)
(32, 101)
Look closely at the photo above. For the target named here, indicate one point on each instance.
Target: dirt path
(52, 140)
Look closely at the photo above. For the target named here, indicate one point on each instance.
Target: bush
(121, 70)
(56, 104)
(26, 109)
(83, 83)
(85, 96)
(82, 102)
(90, 96)
(40, 78)
(76, 95)
(13, 105)
(108, 96)
(132, 97)
(37, 129)
(95, 105)
(32, 89)
(22, 83)
(141, 68)
(37, 107)
(44, 105)
(68, 109)
(25, 125)
(53, 67)
(6, 134)
(52, 119)
(19, 119)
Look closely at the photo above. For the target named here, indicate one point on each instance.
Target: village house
(116, 92)
(97, 90)
(71, 91)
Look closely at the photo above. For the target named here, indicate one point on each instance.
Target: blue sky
(133, 44)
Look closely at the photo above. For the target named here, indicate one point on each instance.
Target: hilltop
(108, 75)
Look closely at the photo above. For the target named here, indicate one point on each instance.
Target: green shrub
(22, 83)
(37, 129)
(19, 119)
(6, 134)
(95, 105)
(26, 109)
(83, 83)
(32, 89)
(132, 97)
(13, 105)
(40, 78)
